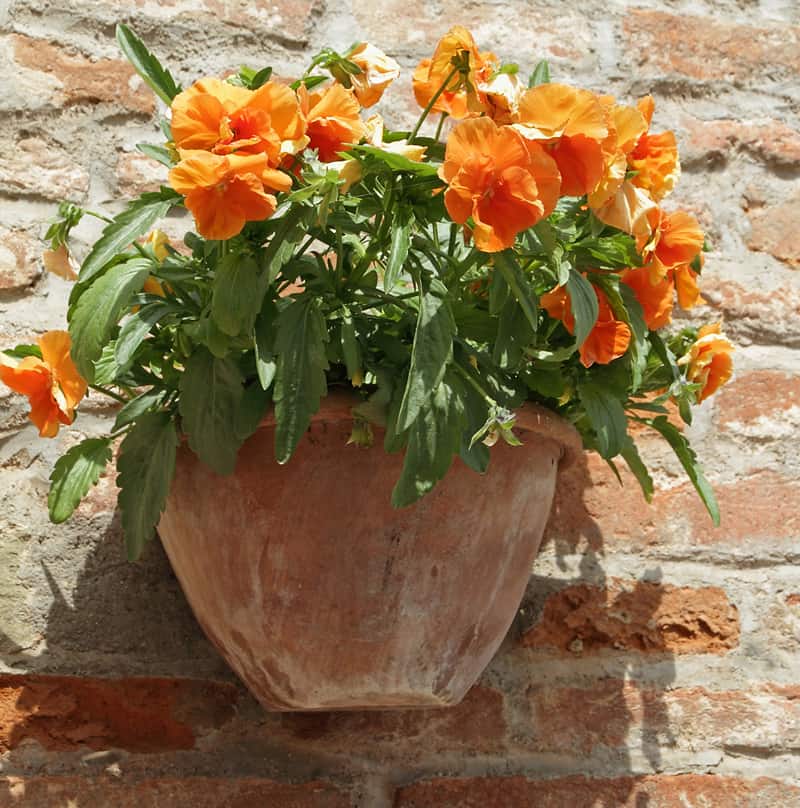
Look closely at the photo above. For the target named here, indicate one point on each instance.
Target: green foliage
(146, 65)
(540, 75)
(146, 466)
(74, 474)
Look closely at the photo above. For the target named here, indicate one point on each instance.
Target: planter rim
(532, 418)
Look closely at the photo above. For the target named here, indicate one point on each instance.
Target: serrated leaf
(635, 463)
(395, 161)
(74, 474)
(685, 453)
(607, 416)
(398, 251)
(634, 317)
(237, 294)
(509, 267)
(433, 439)
(105, 367)
(125, 228)
(157, 78)
(430, 353)
(585, 308)
(94, 316)
(210, 396)
(146, 466)
(136, 407)
(300, 380)
(135, 329)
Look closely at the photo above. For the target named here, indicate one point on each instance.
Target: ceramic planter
(321, 596)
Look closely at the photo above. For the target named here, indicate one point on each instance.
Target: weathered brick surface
(648, 637)
(191, 792)
(141, 715)
(633, 615)
(582, 792)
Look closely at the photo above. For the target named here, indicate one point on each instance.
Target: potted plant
(345, 395)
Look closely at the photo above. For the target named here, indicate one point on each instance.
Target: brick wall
(655, 659)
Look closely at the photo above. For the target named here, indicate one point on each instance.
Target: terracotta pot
(321, 596)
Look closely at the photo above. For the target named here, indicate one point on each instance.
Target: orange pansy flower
(709, 361)
(378, 71)
(493, 177)
(656, 299)
(333, 120)
(461, 97)
(52, 384)
(224, 192)
(677, 239)
(573, 124)
(654, 158)
(608, 339)
(220, 117)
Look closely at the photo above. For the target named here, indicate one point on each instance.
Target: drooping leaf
(135, 329)
(507, 263)
(146, 466)
(210, 396)
(252, 409)
(585, 308)
(631, 456)
(146, 65)
(74, 474)
(685, 453)
(634, 317)
(158, 153)
(133, 222)
(433, 439)
(237, 294)
(21, 351)
(351, 349)
(607, 417)
(430, 353)
(398, 251)
(263, 340)
(395, 161)
(300, 380)
(99, 308)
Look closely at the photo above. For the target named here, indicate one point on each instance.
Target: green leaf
(398, 252)
(135, 329)
(397, 162)
(158, 153)
(685, 453)
(211, 394)
(631, 456)
(21, 351)
(237, 294)
(430, 353)
(136, 407)
(351, 349)
(540, 75)
(514, 335)
(146, 65)
(617, 251)
(263, 343)
(607, 417)
(300, 380)
(74, 474)
(433, 439)
(507, 263)
(99, 308)
(146, 466)
(261, 78)
(105, 368)
(585, 308)
(254, 405)
(133, 222)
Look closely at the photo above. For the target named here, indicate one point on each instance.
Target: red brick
(592, 508)
(703, 48)
(773, 230)
(19, 259)
(767, 140)
(615, 713)
(475, 725)
(137, 174)
(754, 396)
(35, 167)
(190, 792)
(653, 791)
(143, 715)
(83, 79)
(634, 615)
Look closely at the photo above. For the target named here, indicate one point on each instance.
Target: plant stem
(439, 127)
(478, 389)
(429, 107)
(110, 393)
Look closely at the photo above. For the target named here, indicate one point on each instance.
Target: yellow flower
(378, 71)
(59, 262)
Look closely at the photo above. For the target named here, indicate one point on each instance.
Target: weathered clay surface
(351, 603)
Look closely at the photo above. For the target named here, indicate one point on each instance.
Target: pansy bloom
(52, 384)
(709, 361)
(378, 71)
(497, 180)
(333, 120)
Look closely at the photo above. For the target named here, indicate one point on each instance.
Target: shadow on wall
(563, 698)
